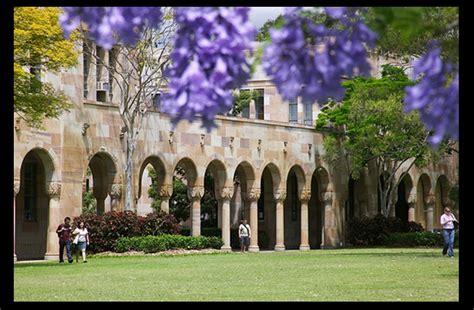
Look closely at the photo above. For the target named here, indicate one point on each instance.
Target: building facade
(285, 190)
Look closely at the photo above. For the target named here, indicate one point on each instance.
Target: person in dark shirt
(64, 234)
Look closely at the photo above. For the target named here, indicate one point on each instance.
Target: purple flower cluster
(208, 61)
(436, 100)
(103, 22)
(312, 67)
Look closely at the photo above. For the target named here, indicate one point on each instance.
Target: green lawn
(317, 275)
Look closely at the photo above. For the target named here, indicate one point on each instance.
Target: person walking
(447, 221)
(244, 235)
(64, 234)
(81, 240)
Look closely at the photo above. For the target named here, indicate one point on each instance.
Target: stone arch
(270, 185)
(243, 178)
(404, 189)
(191, 171)
(441, 199)
(295, 183)
(275, 174)
(357, 203)
(50, 161)
(323, 179)
(212, 191)
(158, 164)
(320, 183)
(300, 176)
(32, 210)
(219, 171)
(104, 174)
(423, 191)
(247, 170)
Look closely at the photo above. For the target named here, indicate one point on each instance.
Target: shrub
(93, 223)
(105, 230)
(373, 231)
(157, 223)
(412, 239)
(153, 244)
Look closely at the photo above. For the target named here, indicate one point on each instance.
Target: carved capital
(54, 189)
(196, 192)
(254, 194)
(327, 197)
(411, 199)
(166, 191)
(430, 199)
(280, 195)
(226, 193)
(305, 196)
(16, 188)
(116, 191)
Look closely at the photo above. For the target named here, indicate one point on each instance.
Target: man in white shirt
(447, 221)
(244, 235)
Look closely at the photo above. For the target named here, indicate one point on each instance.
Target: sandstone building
(286, 188)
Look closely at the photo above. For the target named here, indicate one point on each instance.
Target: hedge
(413, 239)
(153, 244)
(373, 231)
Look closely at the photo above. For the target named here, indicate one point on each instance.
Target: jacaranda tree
(213, 46)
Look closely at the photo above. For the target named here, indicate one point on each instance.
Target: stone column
(165, 193)
(219, 213)
(195, 194)
(16, 190)
(304, 198)
(115, 195)
(52, 243)
(225, 196)
(280, 232)
(411, 207)
(430, 199)
(252, 198)
(326, 235)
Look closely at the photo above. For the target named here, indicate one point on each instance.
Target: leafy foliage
(242, 100)
(179, 201)
(209, 202)
(373, 231)
(153, 244)
(89, 203)
(39, 45)
(370, 125)
(153, 192)
(413, 239)
(105, 229)
(407, 31)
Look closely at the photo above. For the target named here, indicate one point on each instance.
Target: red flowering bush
(104, 230)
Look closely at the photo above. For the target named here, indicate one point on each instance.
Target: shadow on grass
(41, 264)
(393, 252)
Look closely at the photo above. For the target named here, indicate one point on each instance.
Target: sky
(259, 15)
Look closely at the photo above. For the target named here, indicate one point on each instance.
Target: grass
(319, 275)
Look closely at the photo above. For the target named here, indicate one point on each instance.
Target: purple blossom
(335, 12)
(103, 22)
(208, 61)
(313, 67)
(436, 100)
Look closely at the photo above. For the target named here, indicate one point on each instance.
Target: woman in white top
(447, 221)
(81, 240)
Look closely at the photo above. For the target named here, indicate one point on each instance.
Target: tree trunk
(129, 203)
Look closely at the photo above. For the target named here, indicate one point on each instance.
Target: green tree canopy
(39, 44)
(370, 126)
